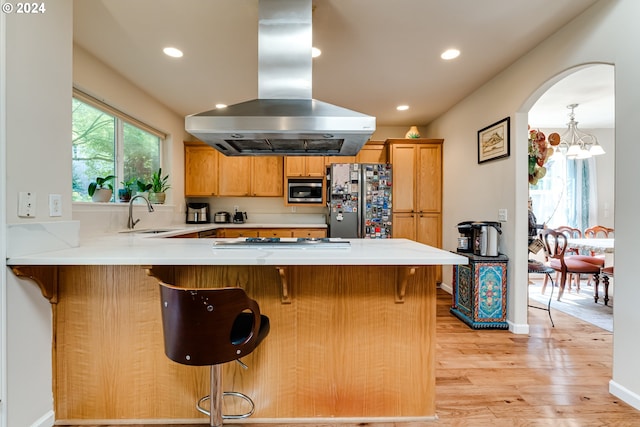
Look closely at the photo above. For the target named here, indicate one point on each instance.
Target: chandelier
(576, 144)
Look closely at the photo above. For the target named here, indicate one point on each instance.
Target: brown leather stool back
(208, 326)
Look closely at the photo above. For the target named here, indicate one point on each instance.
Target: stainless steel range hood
(284, 120)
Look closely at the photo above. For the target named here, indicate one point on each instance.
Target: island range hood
(284, 120)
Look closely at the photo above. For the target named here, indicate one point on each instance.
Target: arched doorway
(558, 196)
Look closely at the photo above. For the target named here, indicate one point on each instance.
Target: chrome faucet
(131, 222)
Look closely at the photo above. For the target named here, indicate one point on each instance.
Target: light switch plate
(55, 205)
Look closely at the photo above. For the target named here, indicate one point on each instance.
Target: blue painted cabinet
(480, 292)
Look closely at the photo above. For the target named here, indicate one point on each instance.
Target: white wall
(3, 221)
(38, 144)
(473, 191)
(95, 78)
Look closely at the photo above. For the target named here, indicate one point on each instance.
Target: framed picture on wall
(493, 141)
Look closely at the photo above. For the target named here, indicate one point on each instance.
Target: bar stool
(538, 267)
(209, 327)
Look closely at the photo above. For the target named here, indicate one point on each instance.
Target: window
(108, 142)
(567, 193)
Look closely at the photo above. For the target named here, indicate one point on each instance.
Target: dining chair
(571, 233)
(596, 232)
(555, 246)
(607, 273)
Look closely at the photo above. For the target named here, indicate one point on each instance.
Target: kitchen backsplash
(100, 218)
(264, 207)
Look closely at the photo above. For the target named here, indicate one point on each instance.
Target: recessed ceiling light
(315, 52)
(402, 107)
(221, 105)
(450, 54)
(172, 52)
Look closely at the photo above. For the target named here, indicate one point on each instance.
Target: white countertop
(153, 249)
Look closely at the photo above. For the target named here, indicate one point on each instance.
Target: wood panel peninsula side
(352, 330)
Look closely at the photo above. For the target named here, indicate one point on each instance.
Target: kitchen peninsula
(352, 329)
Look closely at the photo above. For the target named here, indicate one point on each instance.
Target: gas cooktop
(282, 243)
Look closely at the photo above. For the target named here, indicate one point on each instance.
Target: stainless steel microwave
(304, 191)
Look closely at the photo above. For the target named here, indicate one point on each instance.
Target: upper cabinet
(250, 176)
(304, 166)
(373, 152)
(417, 174)
(339, 159)
(209, 173)
(200, 170)
(266, 176)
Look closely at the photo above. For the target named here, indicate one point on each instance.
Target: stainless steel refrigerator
(359, 200)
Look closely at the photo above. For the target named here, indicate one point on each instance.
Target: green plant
(128, 184)
(100, 183)
(142, 186)
(159, 183)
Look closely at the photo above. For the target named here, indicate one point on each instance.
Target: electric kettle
(239, 217)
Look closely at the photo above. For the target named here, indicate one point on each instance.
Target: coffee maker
(479, 237)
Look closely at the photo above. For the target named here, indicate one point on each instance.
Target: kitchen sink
(153, 231)
(149, 230)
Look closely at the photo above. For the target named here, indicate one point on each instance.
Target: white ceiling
(591, 88)
(377, 54)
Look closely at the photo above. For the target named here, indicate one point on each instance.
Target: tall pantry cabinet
(417, 189)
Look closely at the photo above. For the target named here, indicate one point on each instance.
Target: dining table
(597, 245)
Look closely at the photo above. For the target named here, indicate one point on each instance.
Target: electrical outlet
(26, 204)
(236, 208)
(55, 205)
(502, 215)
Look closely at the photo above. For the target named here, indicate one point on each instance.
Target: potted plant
(159, 185)
(101, 189)
(143, 188)
(125, 193)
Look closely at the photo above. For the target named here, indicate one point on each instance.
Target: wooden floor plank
(552, 377)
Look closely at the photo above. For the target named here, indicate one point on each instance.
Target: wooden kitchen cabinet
(329, 160)
(209, 173)
(200, 170)
(309, 232)
(275, 232)
(305, 166)
(250, 176)
(266, 176)
(417, 190)
(272, 232)
(234, 178)
(237, 232)
(372, 152)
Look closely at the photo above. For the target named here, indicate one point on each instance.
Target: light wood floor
(552, 377)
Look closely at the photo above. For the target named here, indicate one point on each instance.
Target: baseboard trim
(625, 394)
(518, 328)
(273, 421)
(47, 420)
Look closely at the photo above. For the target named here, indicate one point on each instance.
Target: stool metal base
(544, 270)
(215, 407)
